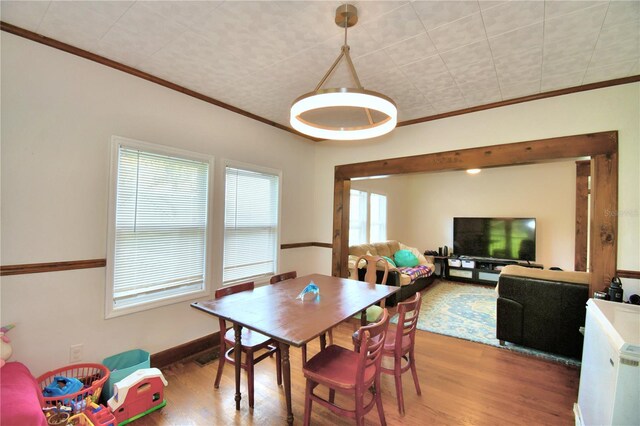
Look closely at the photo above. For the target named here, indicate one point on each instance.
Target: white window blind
(160, 227)
(378, 228)
(357, 217)
(250, 224)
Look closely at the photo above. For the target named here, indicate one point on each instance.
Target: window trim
(262, 279)
(116, 143)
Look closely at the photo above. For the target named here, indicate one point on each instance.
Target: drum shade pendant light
(344, 113)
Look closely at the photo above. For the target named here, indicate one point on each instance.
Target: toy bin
(121, 365)
(92, 376)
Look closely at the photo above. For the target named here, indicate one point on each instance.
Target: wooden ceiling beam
(488, 156)
(601, 147)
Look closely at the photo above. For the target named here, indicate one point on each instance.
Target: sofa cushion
(575, 277)
(421, 259)
(361, 250)
(390, 261)
(405, 258)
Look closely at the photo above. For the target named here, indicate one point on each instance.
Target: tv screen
(500, 238)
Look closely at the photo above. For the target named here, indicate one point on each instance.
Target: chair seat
(250, 339)
(390, 341)
(374, 312)
(336, 366)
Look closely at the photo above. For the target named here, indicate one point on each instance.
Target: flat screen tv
(499, 237)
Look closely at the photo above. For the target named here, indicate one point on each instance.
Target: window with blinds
(158, 238)
(251, 223)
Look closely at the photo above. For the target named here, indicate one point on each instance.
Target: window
(158, 226)
(378, 214)
(358, 217)
(251, 223)
(367, 217)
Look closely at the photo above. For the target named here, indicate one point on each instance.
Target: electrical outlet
(75, 353)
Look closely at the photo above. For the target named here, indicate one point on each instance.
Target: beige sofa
(388, 248)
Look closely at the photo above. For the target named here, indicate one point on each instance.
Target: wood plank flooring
(463, 383)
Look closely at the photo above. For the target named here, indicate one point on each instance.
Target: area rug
(468, 311)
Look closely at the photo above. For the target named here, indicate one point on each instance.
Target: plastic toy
(5, 347)
(62, 386)
(137, 395)
(99, 415)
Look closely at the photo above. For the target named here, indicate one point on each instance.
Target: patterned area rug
(468, 311)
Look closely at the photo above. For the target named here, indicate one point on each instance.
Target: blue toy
(61, 386)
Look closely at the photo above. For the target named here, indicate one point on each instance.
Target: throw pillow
(389, 261)
(405, 258)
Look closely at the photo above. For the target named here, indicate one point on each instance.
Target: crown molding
(38, 38)
(30, 35)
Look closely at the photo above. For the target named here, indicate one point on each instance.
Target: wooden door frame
(583, 171)
(602, 147)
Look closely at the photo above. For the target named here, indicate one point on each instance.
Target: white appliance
(609, 391)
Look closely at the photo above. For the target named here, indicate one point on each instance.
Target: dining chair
(373, 312)
(288, 276)
(349, 372)
(283, 276)
(252, 342)
(399, 344)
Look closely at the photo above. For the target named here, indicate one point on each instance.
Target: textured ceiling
(431, 57)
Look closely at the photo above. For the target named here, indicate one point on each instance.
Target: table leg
(363, 318)
(286, 375)
(237, 359)
(323, 341)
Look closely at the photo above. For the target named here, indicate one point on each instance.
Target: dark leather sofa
(542, 309)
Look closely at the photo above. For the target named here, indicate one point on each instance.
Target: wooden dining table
(274, 311)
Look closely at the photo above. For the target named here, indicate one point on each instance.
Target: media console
(480, 270)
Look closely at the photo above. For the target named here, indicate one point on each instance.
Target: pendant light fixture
(344, 113)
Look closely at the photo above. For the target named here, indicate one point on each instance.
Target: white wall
(544, 191)
(422, 206)
(58, 114)
(613, 108)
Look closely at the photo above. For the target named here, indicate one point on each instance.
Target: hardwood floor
(463, 383)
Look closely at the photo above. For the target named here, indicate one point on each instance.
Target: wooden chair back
(408, 313)
(372, 265)
(369, 344)
(233, 289)
(283, 276)
(226, 291)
